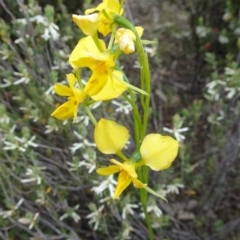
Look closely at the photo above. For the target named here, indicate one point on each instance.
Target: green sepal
(155, 193)
(123, 22)
(136, 156)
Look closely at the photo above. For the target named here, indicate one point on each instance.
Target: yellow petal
(112, 89)
(62, 90)
(96, 83)
(85, 53)
(158, 152)
(111, 169)
(109, 136)
(108, 5)
(138, 184)
(139, 30)
(65, 111)
(127, 166)
(88, 23)
(125, 39)
(79, 95)
(71, 80)
(124, 181)
(104, 26)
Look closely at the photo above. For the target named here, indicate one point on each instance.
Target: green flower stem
(90, 115)
(77, 74)
(111, 41)
(145, 83)
(97, 42)
(143, 175)
(145, 101)
(136, 117)
(122, 156)
(87, 109)
(147, 98)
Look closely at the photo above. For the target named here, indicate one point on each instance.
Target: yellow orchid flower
(126, 38)
(105, 83)
(109, 7)
(75, 97)
(157, 151)
(126, 176)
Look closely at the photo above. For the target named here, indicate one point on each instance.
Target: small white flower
(84, 119)
(173, 188)
(29, 220)
(9, 213)
(21, 144)
(124, 107)
(151, 50)
(96, 105)
(51, 31)
(19, 40)
(154, 209)
(223, 39)
(229, 71)
(24, 78)
(137, 65)
(70, 212)
(33, 175)
(221, 115)
(109, 184)
(227, 17)
(84, 143)
(39, 19)
(128, 209)
(49, 90)
(50, 128)
(126, 232)
(90, 166)
(95, 217)
(5, 119)
(237, 31)
(231, 92)
(6, 83)
(177, 133)
(201, 31)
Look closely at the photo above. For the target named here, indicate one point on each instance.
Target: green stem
(145, 83)
(97, 42)
(145, 101)
(90, 115)
(143, 175)
(122, 156)
(136, 117)
(147, 98)
(77, 74)
(112, 38)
